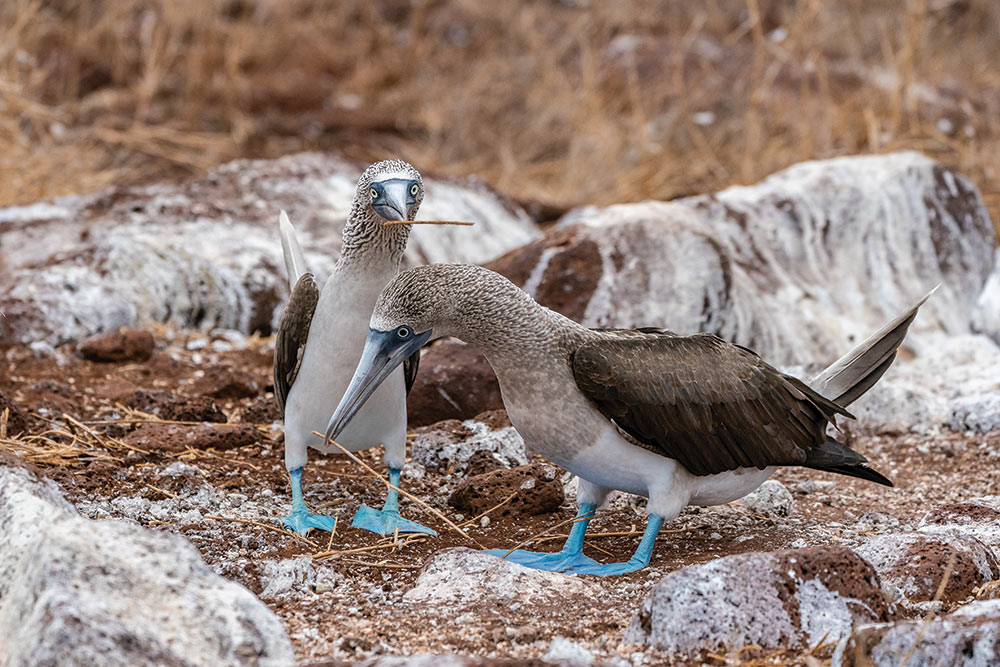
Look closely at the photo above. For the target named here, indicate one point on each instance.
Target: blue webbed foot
(609, 569)
(302, 521)
(386, 522)
(560, 561)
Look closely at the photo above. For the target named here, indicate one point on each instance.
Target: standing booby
(681, 420)
(322, 333)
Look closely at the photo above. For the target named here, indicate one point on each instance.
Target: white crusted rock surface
(969, 637)
(776, 600)
(771, 499)
(978, 518)
(206, 253)
(451, 443)
(911, 567)
(462, 577)
(77, 591)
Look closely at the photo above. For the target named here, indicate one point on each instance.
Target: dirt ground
(222, 487)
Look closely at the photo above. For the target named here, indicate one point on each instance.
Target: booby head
(392, 189)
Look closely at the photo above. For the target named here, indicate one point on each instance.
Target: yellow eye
(414, 189)
(374, 193)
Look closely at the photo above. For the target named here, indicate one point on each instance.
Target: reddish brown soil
(363, 613)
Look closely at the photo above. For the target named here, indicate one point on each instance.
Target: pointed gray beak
(384, 352)
(393, 205)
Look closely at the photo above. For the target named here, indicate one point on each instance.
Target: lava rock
(969, 637)
(454, 382)
(173, 407)
(912, 565)
(261, 410)
(17, 421)
(463, 577)
(178, 437)
(118, 346)
(771, 499)
(528, 489)
(783, 599)
(978, 518)
(226, 382)
(77, 591)
(452, 444)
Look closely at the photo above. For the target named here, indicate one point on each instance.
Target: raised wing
(290, 343)
(710, 405)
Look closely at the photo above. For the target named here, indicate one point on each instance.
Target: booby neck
(367, 239)
(485, 310)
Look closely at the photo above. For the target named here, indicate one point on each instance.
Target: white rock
(770, 499)
(563, 651)
(461, 576)
(978, 518)
(439, 448)
(969, 637)
(206, 254)
(777, 600)
(77, 591)
(296, 576)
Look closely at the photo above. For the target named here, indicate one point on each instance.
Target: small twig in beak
(428, 222)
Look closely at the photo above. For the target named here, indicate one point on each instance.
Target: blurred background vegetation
(556, 102)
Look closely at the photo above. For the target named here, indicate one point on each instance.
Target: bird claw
(386, 522)
(302, 522)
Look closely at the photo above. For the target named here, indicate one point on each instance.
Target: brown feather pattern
(710, 405)
(293, 331)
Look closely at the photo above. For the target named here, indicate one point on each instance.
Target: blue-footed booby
(321, 335)
(681, 420)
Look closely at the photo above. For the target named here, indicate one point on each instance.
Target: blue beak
(384, 352)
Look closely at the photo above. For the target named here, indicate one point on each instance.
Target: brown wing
(706, 403)
(290, 343)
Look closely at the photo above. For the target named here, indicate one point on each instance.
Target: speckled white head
(388, 191)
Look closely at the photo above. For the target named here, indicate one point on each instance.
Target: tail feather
(295, 262)
(834, 456)
(848, 378)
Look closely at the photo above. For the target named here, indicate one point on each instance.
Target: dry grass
(564, 102)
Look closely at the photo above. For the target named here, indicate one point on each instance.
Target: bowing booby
(321, 335)
(681, 420)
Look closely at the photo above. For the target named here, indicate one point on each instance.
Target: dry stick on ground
(163, 491)
(930, 612)
(102, 440)
(412, 497)
(262, 525)
(395, 545)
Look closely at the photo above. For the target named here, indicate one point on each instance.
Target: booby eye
(374, 193)
(403, 332)
(414, 189)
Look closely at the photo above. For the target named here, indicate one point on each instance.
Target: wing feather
(706, 403)
(293, 331)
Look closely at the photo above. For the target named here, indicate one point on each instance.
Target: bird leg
(387, 520)
(568, 559)
(301, 520)
(639, 559)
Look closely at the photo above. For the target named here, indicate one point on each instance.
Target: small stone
(525, 489)
(978, 518)
(771, 499)
(124, 345)
(563, 651)
(454, 444)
